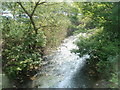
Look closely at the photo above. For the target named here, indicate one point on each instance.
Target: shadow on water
(82, 80)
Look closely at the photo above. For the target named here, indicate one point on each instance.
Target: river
(65, 69)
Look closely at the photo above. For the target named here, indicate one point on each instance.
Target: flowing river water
(64, 69)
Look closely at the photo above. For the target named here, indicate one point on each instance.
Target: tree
(32, 14)
(25, 38)
(102, 45)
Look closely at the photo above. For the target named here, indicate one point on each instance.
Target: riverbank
(64, 69)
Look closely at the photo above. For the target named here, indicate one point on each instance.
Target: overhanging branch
(41, 3)
(35, 7)
(23, 8)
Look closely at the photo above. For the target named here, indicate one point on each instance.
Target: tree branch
(38, 3)
(23, 8)
(31, 15)
(35, 8)
(41, 3)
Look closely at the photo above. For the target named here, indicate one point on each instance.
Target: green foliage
(40, 39)
(114, 81)
(103, 53)
(26, 40)
(23, 48)
(102, 44)
(18, 54)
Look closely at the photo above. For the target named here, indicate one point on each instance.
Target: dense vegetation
(38, 27)
(35, 29)
(102, 44)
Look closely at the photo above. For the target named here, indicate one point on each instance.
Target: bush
(102, 51)
(21, 58)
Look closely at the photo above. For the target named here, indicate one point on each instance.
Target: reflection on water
(65, 68)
